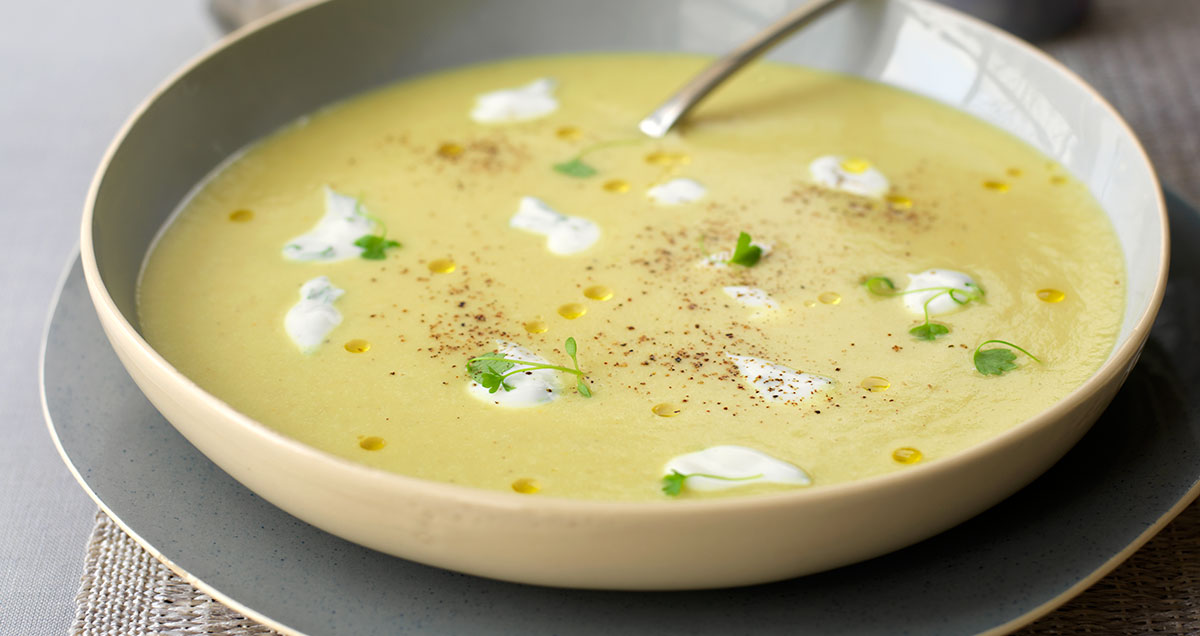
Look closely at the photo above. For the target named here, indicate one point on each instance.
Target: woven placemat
(1143, 56)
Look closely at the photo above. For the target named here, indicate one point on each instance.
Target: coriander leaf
(570, 345)
(672, 484)
(995, 361)
(880, 286)
(583, 389)
(998, 361)
(374, 246)
(929, 331)
(575, 168)
(744, 253)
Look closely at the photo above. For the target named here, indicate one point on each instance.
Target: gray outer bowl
(257, 81)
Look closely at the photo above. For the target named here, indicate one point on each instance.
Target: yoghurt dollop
(333, 237)
(309, 321)
(565, 235)
(531, 101)
(529, 388)
(676, 192)
(934, 282)
(777, 382)
(856, 176)
(739, 465)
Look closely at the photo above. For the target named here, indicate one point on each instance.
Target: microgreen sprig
(580, 169)
(374, 245)
(745, 253)
(672, 484)
(998, 360)
(491, 370)
(927, 330)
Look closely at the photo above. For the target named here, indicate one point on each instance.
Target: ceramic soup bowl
(256, 81)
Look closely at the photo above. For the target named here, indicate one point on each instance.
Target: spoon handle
(666, 116)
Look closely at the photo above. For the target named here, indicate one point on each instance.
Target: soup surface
(336, 280)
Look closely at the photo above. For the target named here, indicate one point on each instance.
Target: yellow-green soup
(388, 386)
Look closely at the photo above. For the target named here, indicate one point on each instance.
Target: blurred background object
(233, 14)
(1033, 20)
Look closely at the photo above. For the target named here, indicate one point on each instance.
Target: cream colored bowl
(256, 81)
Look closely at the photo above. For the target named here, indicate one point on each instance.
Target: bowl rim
(1119, 360)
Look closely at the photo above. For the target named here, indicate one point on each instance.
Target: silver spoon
(666, 116)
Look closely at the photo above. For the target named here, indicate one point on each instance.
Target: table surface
(73, 70)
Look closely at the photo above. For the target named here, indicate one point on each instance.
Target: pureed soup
(487, 277)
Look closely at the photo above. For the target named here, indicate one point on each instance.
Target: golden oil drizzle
(1051, 295)
(358, 345)
(241, 216)
(571, 311)
(618, 186)
(810, 303)
(526, 486)
(598, 292)
(830, 298)
(442, 266)
(899, 202)
(450, 150)
(371, 443)
(568, 133)
(1014, 172)
(664, 158)
(666, 409)
(856, 166)
(907, 455)
(996, 186)
(1058, 179)
(537, 325)
(875, 384)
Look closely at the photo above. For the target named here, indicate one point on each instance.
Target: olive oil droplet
(1014, 172)
(1051, 295)
(906, 455)
(996, 186)
(598, 292)
(241, 216)
(856, 166)
(664, 158)
(526, 486)
(358, 345)
(810, 303)
(1058, 179)
(875, 384)
(442, 266)
(666, 410)
(899, 202)
(830, 298)
(372, 443)
(571, 311)
(450, 150)
(569, 133)
(618, 186)
(537, 326)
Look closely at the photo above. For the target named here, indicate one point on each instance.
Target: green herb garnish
(575, 168)
(927, 330)
(491, 369)
(998, 360)
(672, 484)
(578, 168)
(374, 246)
(744, 253)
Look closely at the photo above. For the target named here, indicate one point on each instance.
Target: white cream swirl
(309, 321)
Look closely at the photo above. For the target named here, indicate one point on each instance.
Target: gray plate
(1133, 472)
